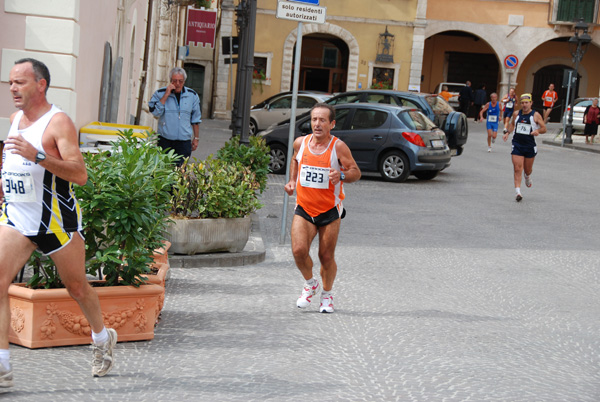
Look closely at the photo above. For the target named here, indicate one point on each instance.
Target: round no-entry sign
(511, 61)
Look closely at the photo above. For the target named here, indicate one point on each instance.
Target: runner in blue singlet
(493, 116)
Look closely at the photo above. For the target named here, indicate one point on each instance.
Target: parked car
(453, 123)
(394, 141)
(580, 105)
(454, 88)
(279, 107)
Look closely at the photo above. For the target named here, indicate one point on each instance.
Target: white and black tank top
(36, 201)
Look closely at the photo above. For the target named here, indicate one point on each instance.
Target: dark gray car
(394, 141)
(453, 123)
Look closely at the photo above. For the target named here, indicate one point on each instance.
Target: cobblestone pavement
(448, 290)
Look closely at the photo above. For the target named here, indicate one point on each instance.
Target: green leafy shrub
(214, 189)
(256, 157)
(125, 206)
(223, 187)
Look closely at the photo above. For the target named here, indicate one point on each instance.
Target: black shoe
(519, 197)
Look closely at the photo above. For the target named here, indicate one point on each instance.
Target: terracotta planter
(50, 317)
(160, 254)
(196, 236)
(160, 277)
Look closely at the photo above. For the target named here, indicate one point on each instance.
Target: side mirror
(305, 128)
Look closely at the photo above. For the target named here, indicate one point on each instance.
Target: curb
(585, 148)
(253, 253)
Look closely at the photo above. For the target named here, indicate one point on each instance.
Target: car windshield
(583, 103)
(415, 120)
(344, 99)
(454, 88)
(439, 105)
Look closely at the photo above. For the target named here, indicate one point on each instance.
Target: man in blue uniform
(526, 124)
(178, 110)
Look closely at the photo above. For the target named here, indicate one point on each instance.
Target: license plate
(437, 143)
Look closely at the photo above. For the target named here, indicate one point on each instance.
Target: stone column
(221, 106)
(416, 63)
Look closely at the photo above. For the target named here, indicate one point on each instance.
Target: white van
(454, 88)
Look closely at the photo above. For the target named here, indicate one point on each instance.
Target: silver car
(580, 105)
(279, 108)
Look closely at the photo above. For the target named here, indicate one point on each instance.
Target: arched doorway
(323, 64)
(545, 76)
(459, 56)
(195, 78)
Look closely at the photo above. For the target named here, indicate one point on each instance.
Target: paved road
(448, 290)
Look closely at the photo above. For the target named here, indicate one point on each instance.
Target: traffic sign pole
(295, 12)
(290, 150)
(510, 63)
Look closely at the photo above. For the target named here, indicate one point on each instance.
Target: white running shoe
(103, 355)
(326, 304)
(6, 376)
(489, 149)
(307, 293)
(528, 181)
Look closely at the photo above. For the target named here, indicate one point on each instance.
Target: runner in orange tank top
(320, 166)
(549, 98)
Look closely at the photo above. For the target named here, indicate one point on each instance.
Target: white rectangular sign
(301, 12)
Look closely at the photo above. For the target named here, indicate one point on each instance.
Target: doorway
(323, 64)
(545, 76)
(195, 79)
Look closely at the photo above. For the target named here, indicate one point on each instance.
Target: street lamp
(578, 45)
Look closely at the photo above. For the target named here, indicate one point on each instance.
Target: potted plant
(213, 199)
(125, 206)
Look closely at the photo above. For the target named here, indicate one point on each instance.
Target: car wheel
(394, 166)
(426, 174)
(253, 127)
(278, 156)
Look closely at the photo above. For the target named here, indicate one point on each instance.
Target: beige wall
(69, 36)
(535, 12)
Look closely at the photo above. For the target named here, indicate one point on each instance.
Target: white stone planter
(197, 236)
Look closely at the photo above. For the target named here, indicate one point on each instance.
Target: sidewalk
(416, 320)
(554, 136)
(213, 135)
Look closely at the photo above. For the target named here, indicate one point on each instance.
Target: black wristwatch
(342, 176)
(39, 157)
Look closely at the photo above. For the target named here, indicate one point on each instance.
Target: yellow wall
(489, 12)
(396, 10)
(350, 15)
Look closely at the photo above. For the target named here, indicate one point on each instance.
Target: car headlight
(265, 132)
